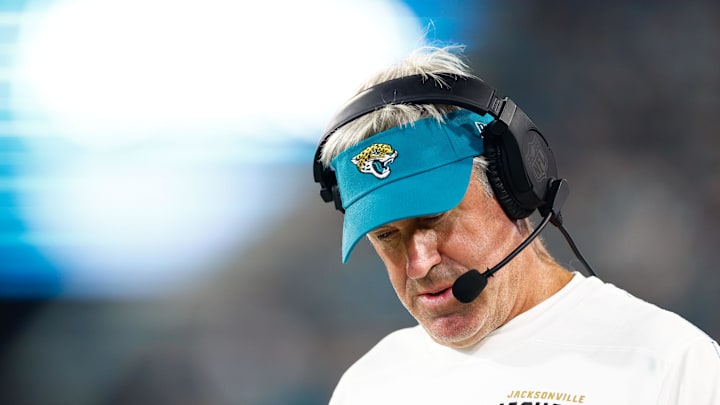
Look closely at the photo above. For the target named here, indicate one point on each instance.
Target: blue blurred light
(139, 158)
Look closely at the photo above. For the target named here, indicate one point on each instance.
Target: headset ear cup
(495, 175)
(337, 199)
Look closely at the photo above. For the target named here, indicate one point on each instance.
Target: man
(443, 187)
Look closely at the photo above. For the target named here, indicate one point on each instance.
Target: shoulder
(615, 317)
(612, 333)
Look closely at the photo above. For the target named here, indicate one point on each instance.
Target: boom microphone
(469, 286)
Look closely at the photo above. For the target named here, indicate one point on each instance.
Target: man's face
(424, 256)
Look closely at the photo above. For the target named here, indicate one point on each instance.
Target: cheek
(390, 255)
(398, 280)
(468, 242)
(483, 237)
(394, 262)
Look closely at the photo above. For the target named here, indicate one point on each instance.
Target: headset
(521, 164)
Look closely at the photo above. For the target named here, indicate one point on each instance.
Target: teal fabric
(415, 170)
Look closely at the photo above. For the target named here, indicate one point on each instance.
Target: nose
(422, 253)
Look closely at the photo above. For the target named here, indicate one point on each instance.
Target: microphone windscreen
(468, 286)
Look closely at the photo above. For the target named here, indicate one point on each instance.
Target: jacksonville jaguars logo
(375, 159)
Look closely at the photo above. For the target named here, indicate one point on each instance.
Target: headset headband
(473, 94)
(466, 92)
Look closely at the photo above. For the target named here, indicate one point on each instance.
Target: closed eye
(385, 235)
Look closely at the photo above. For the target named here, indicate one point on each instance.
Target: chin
(455, 332)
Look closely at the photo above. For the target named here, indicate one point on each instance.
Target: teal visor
(409, 171)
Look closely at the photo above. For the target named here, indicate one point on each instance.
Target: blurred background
(161, 237)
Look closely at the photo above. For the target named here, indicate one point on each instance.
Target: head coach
(441, 174)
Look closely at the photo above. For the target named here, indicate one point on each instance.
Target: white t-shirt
(590, 343)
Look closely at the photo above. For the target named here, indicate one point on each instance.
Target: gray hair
(427, 61)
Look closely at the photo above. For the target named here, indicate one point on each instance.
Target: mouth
(437, 293)
(437, 297)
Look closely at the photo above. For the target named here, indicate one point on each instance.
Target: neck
(539, 277)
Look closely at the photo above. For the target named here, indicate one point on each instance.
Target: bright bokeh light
(148, 122)
(117, 72)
